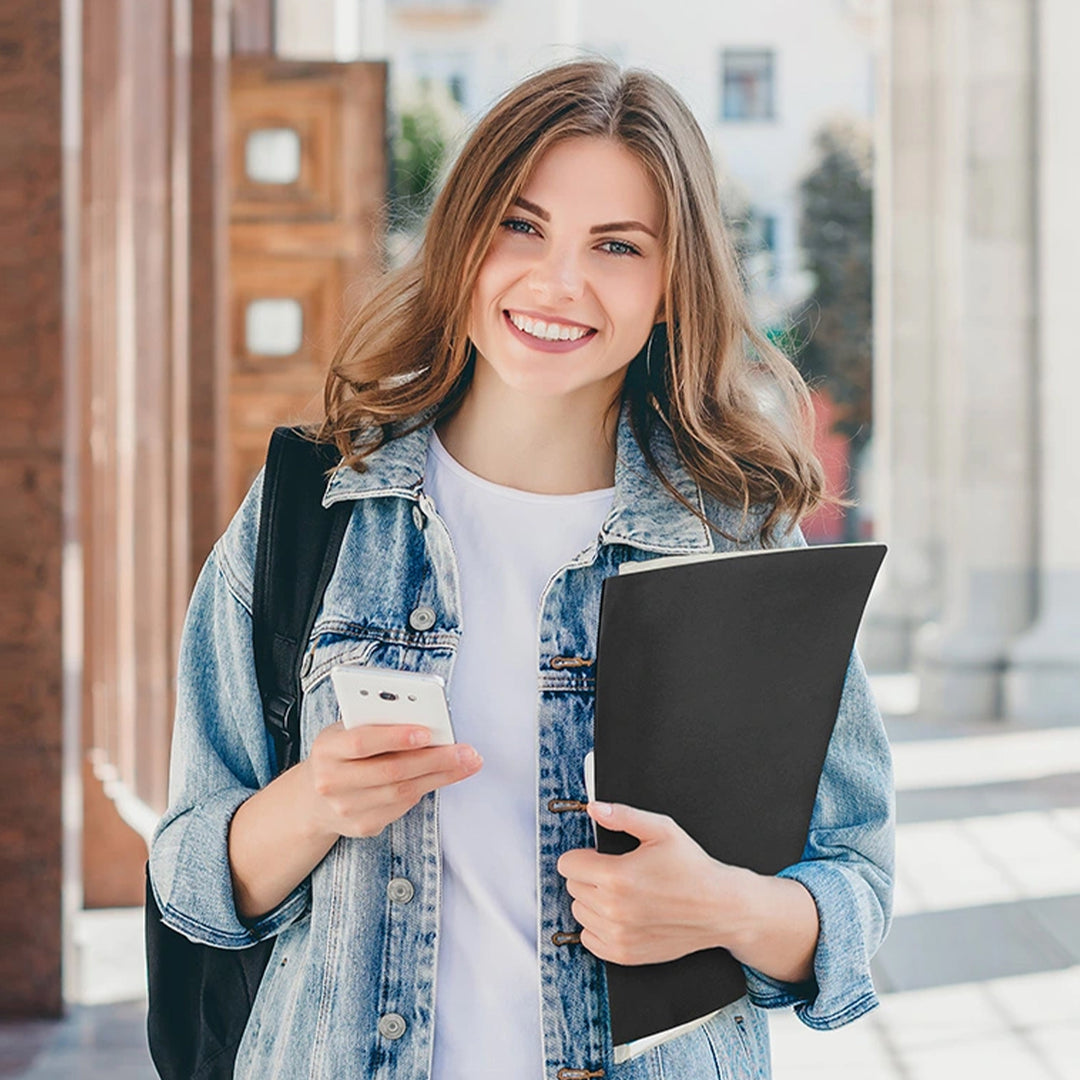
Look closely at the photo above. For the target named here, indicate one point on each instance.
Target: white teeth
(547, 331)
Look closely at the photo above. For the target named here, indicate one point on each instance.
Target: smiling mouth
(548, 331)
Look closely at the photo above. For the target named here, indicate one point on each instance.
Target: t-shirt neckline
(454, 466)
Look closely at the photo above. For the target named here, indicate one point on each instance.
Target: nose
(557, 276)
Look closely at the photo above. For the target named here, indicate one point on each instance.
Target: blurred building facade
(184, 227)
(977, 374)
(761, 78)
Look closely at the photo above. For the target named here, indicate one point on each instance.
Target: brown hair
(738, 410)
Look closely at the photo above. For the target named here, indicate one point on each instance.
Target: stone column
(1044, 677)
(907, 315)
(304, 29)
(986, 418)
(341, 30)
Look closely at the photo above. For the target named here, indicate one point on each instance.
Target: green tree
(836, 236)
(419, 147)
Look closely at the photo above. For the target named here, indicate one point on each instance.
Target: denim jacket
(350, 987)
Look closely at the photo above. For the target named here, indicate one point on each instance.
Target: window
(272, 156)
(762, 228)
(273, 327)
(748, 91)
(448, 70)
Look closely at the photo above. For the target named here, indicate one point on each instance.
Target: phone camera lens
(363, 693)
(386, 695)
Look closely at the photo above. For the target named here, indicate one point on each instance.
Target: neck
(549, 445)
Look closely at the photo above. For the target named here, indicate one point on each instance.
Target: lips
(544, 344)
(546, 327)
(536, 316)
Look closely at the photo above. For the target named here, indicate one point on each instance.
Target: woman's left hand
(666, 898)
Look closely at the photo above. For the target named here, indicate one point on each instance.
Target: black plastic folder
(718, 681)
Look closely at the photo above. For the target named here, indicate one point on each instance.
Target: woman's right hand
(360, 779)
(353, 783)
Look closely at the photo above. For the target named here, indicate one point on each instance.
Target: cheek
(637, 296)
(637, 310)
(485, 294)
(497, 273)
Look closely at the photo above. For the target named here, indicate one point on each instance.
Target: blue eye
(519, 225)
(526, 228)
(619, 247)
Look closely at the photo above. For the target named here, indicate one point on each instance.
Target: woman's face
(573, 281)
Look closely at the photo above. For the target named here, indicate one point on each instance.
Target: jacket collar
(643, 513)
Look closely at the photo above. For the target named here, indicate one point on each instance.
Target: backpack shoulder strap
(295, 556)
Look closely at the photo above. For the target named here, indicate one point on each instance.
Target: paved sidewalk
(980, 976)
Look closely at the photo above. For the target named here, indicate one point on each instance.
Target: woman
(565, 378)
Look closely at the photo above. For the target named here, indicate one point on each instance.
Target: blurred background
(194, 193)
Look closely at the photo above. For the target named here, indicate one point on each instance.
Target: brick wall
(31, 439)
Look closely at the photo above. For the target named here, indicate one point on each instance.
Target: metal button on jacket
(392, 1025)
(422, 617)
(418, 517)
(400, 889)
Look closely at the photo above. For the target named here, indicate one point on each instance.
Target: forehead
(594, 180)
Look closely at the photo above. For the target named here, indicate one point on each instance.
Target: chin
(541, 384)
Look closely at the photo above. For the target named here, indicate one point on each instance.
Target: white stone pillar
(907, 289)
(343, 30)
(304, 29)
(1044, 678)
(987, 391)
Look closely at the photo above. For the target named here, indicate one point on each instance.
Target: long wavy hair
(738, 410)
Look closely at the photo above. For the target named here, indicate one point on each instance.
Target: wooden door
(307, 165)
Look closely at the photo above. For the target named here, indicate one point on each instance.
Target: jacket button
(305, 667)
(418, 517)
(422, 618)
(400, 890)
(392, 1026)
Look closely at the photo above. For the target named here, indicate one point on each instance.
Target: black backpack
(200, 997)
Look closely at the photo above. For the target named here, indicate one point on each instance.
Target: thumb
(619, 817)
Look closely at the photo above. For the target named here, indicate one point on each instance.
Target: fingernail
(420, 736)
(603, 809)
(468, 756)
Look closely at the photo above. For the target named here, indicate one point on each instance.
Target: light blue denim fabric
(347, 951)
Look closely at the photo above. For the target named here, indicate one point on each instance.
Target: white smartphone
(372, 695)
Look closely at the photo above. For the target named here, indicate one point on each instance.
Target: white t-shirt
(508, 543)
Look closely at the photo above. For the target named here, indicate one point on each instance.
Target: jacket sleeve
(847, 863)
(221, 752)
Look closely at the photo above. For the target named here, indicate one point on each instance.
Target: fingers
(367, 810)
(406, 793)
(366, 777)
(393, 769)
(588, 865)
(644, 824)
(396, 747)
(367, 740)
(582, 890)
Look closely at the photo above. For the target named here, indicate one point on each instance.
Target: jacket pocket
(738, 1036)
(391, 649)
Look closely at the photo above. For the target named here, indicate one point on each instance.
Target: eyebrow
(611, 226)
